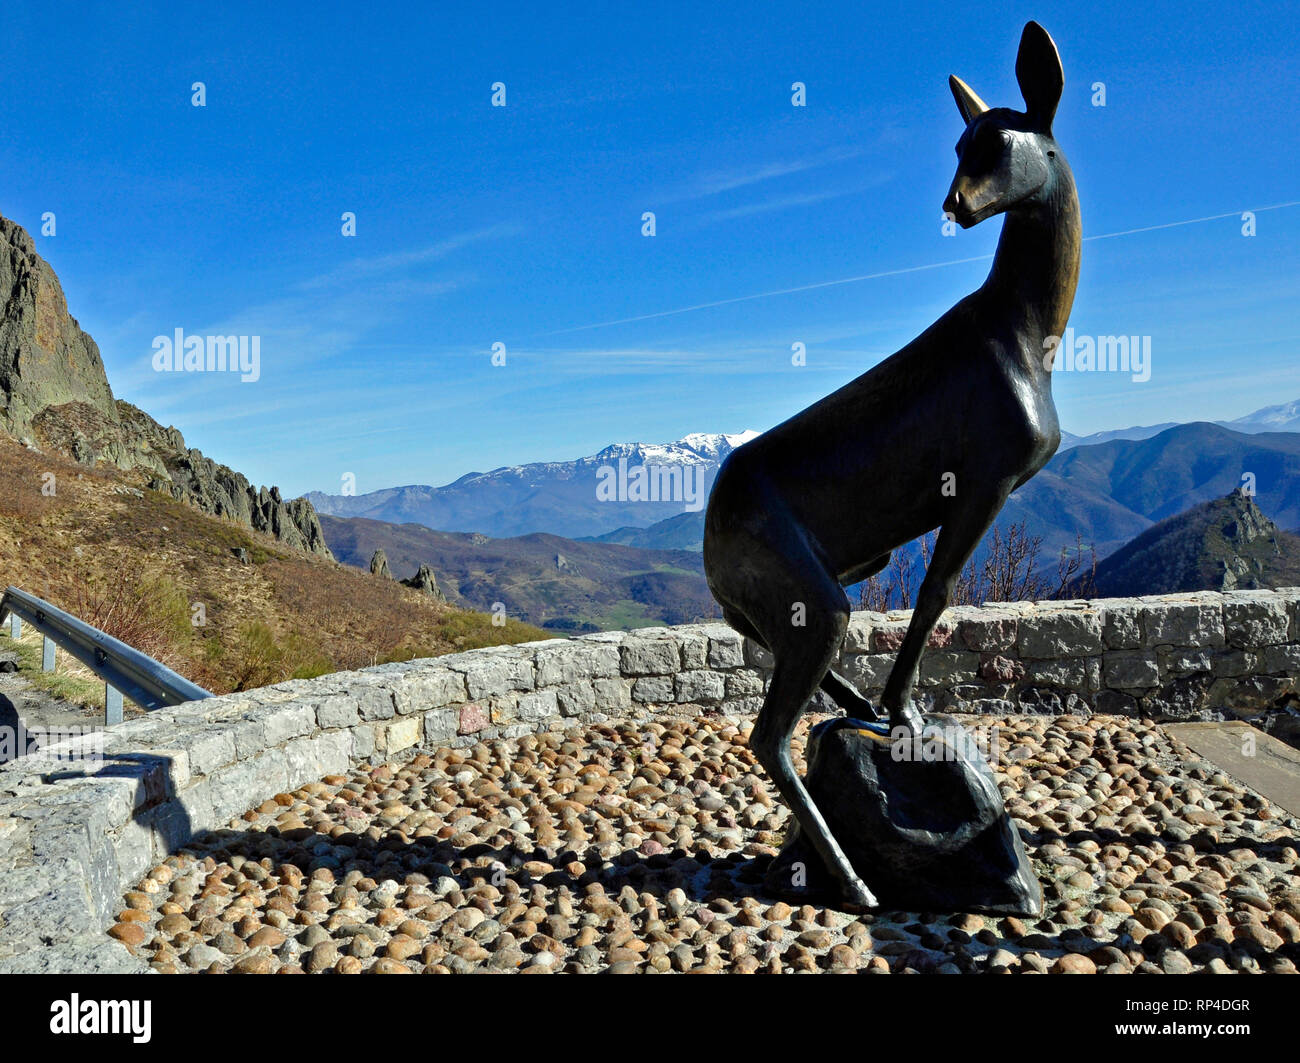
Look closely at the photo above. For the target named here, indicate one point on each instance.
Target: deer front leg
(957, 540)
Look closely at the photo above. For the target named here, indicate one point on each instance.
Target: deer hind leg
(801, 614)
(842, 693)
(839, 689)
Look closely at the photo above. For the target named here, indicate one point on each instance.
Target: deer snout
(958, 205)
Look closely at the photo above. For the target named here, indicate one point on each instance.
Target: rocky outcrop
(1222, 545)
(54, 394)
(379, 565)
(424, 580)
(45, 358)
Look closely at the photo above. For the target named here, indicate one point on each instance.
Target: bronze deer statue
(935, 436)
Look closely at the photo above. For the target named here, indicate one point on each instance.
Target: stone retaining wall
(74, 836)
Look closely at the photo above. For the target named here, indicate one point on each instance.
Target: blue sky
(522, 224)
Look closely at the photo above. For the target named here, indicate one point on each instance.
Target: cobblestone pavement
(642, 847)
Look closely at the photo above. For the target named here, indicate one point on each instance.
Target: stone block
(745, 684)
(429, 688)
(1069, 672)
(643, 656)
(375, 703)
(337, 710)
(869, 670)
(1177, 662)
(576, 698)
(988, 634)
(1280, 660)
(1130, 670)
(363, 741)
(612, 695)
(1068, 633)
(539, 705)
(654, 690)
(1183, 624)
(1254, 618)
(283, 722)
(699, 687)
(470, 719)
(695, 651)
(1122, 624)
(401, 734)
(209, 748)
(726, 651)
(572, 662)
(946, 667)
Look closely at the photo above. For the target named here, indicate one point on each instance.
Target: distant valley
(558, 583)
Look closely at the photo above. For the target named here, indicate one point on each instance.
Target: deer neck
(1036, 267)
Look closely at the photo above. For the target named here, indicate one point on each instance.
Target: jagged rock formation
(1222, 545)
(379, 565)
(45, 358)
(424, 580)
(54, 394)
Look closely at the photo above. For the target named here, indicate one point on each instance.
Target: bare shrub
(1008, 572)
(148, 612)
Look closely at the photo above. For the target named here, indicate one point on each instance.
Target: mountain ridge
(554, 497)
(1107, 492)
(559, 498)
(540, 578)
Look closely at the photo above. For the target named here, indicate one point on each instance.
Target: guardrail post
(112, 705)
(15, 626)
(47, 655)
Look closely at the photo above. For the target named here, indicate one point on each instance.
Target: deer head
(1008, 160)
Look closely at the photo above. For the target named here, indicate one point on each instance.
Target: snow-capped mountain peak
(554, 496)
(698, 448)
(1284, 417)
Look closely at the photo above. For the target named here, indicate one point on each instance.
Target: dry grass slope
(164, 577)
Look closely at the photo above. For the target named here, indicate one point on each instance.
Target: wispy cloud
(711, 184)
(402, 260)
(320, 319)
(766, 206)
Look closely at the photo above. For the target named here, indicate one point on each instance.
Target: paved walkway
(24, 708)
(1266, 765)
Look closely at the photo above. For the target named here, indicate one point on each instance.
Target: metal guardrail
(125, 670)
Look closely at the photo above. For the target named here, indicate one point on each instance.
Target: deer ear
(970, 105)
(1039, 72)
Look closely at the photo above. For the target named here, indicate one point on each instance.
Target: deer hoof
(906, 717)
(857, 897)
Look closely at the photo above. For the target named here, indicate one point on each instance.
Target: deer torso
(963, 408)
